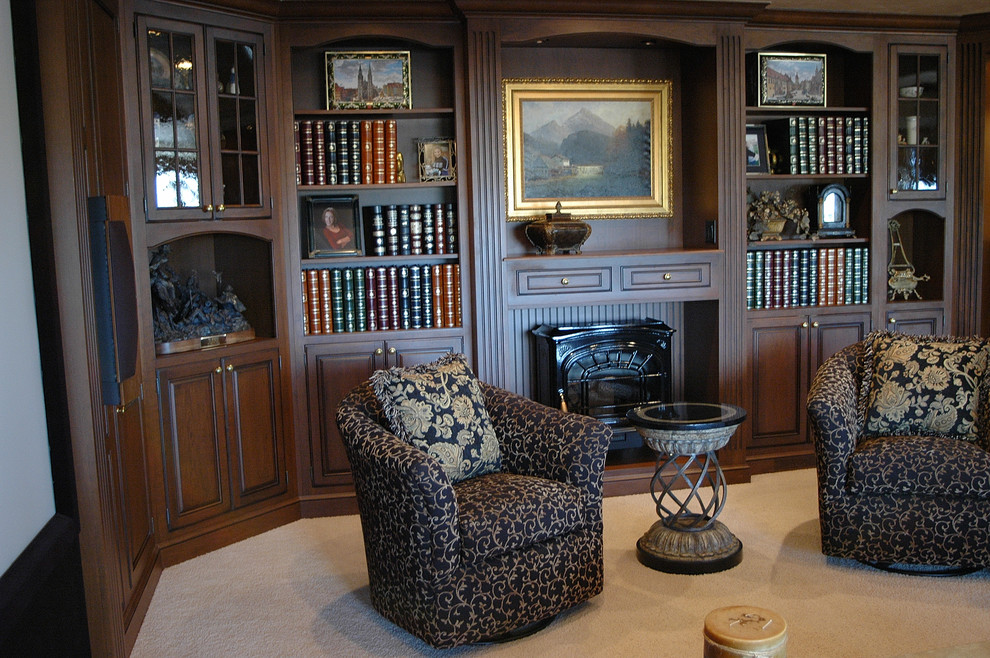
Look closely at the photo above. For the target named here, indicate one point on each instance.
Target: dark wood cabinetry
(221, 434)
(333, 369)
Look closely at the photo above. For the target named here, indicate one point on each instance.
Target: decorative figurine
(558, 233)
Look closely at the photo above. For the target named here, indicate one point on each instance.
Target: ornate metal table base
(688, 538)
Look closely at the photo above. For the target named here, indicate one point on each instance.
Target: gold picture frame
(557, 133)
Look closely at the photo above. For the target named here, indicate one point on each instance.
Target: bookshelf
(398, 294)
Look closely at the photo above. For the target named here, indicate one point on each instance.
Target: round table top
(686, 415)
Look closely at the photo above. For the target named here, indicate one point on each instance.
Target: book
(415, 229)
(330, 139)
(337, 299)
(367, 153)
(298, 146)
(356, 153)
(393, 298)
(405, 238)
(391, 151)
(382, 298)
(757, 279)
(392, 230)
(350, 306)
(325, 302)
(405, 305)
(439, 315)
(427, 296)
(458, 320)
(415, 297)
(440, 224)
(449, 298)
(360, 301)
(803, 155)
(371, 299)
(305, 304)
(379, 168)
(319, 154)
(450, 221)
(429, 231)
(750, 280)
(343, 154)
(306, 141)
(313, 301)
(377, 231)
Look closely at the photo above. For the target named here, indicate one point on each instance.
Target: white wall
(26, 497)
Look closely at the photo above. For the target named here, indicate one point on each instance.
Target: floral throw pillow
(439, 408)
(924, 385)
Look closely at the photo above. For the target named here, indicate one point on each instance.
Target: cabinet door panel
(922, 322)
(332, 370)
(194, 444)
(779, 385)
(414, 351)
(254, 426)
(834, 332)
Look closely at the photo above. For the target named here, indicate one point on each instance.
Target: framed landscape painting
(601, 148)
(358, 80)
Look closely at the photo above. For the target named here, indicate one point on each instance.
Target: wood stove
(604, 370)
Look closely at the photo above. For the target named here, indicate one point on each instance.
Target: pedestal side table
(688, 486)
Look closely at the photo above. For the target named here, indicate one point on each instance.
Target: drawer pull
(892, 320)
(666, 276)
(565, 281)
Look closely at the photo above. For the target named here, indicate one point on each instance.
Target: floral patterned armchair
(475, 560)
(900, 426)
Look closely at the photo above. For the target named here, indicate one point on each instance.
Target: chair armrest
(545, 442)
(406, 501)
(833, 415)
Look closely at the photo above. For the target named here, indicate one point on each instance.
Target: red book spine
(391, 150)
(785, 280)
(305, 304)
(449, 296)
(439, 313)
(371, 297)
(326, 307)
(296, 138)
(367, 153)
(378, 146)
(393, 297)
(306, 139)
(381, 281)
(457, 296)
(313, 299)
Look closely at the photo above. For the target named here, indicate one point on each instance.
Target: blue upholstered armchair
(900, 426)
(472, 561)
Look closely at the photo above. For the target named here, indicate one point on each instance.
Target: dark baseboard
(42, 600)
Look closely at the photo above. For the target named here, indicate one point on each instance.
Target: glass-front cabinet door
(203, 108)
(917, 122)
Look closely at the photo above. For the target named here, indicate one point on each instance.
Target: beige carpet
(301, 590)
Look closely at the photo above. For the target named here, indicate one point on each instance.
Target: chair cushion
(439, 408)
(923, 385)
(926, 465)
(504, 512)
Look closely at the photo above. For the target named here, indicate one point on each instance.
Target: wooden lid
(746, 627)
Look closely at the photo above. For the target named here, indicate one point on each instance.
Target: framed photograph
(601, 148)
(333, 226)
(791, 80)
(364, 79)
(757, 158)
(437, 159)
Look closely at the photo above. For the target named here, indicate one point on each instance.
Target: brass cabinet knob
(666, 276)
(391, 350)
(565, 281)
(814, 324)
(221, 208)
(379, 352)
(218, 370)
(892, 321)
(230, 367)
(804, 325)
(208, 208)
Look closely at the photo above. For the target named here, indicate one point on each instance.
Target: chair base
(518, 633)
(922, 569)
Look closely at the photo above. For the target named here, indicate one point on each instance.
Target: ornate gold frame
(659, 201)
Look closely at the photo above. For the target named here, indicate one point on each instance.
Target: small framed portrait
(359, 79)
(333, 226)
(757, 158)
(791, 80)
(437, 159)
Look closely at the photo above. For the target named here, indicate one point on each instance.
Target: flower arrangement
(772, 218)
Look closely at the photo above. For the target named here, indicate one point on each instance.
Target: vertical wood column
(487, 201)
(969, 257)
(731, 79)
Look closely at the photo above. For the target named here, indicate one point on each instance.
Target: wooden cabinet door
(830, 333)
(252, 391)
(779, 381)
(414, 351)
(918, 322)
(332, 370)
(194, 442)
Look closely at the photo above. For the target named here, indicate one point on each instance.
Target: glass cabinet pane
(237, 112)
(172, 73)
(918, 156)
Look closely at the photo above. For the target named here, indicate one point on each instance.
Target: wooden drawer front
(662, 277)
(553, 282)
